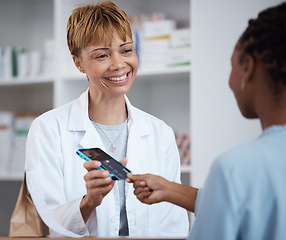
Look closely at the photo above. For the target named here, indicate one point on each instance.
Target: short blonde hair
(92, 23)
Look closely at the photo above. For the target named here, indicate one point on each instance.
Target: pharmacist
(83, 200)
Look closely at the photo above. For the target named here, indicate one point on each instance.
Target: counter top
(92, 238)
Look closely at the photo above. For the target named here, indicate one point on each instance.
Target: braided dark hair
(265, 40)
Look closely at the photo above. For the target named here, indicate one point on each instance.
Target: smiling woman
(111, 69)
(82, 198)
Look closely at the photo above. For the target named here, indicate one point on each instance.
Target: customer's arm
(151, 189)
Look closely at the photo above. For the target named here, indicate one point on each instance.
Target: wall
(217, 26)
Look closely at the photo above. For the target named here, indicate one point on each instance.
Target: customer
(84, 200)
(245, 194)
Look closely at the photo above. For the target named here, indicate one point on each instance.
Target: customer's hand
(149, 188)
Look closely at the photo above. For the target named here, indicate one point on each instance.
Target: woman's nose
(117, 62)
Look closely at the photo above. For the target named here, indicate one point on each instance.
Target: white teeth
(118, 78)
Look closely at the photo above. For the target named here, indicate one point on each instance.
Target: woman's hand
(98, 185)
(149, 188)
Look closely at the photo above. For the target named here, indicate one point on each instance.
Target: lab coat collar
(78, 118)
(79, 121)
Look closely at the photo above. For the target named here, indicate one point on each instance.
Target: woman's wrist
(86, 208)
(168, 191)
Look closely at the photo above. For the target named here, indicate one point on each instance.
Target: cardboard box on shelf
(184, 146)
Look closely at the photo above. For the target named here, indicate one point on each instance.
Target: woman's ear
(248, 66)
(247, 71)
(78, 63)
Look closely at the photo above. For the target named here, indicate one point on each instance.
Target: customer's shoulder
(245, 154)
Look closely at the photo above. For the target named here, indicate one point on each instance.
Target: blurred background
(184, 49)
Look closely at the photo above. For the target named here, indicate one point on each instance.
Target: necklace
(111, 148)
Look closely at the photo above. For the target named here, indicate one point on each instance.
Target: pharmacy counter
(92, 238)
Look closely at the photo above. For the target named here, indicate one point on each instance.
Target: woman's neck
(274, 112)
(107, 111)
(273, 118)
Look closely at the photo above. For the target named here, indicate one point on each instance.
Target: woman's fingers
(90, 165)
(98, 182)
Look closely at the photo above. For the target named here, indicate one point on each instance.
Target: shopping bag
(25, 220)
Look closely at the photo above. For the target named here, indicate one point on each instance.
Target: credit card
(117, 171)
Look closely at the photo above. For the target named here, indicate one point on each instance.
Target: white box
(153, 29)
(22, 126)
(180, 38)
(6, 139)
(179, 57)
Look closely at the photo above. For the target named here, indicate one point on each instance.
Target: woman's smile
(119, 78)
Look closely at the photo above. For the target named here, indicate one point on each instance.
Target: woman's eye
(127, 50)
(101, 56)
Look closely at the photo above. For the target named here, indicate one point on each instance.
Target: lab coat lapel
(136, 148)
(135, 153)
(138, 129)
(91, 138)
(80, 122)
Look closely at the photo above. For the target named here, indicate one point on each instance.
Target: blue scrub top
(245, 193)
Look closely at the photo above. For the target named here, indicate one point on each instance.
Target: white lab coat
(52, 142)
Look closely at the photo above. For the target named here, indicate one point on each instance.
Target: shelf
(26, 81)
(186, 169)
(11, 176)
(19, 176)
(163, 71)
